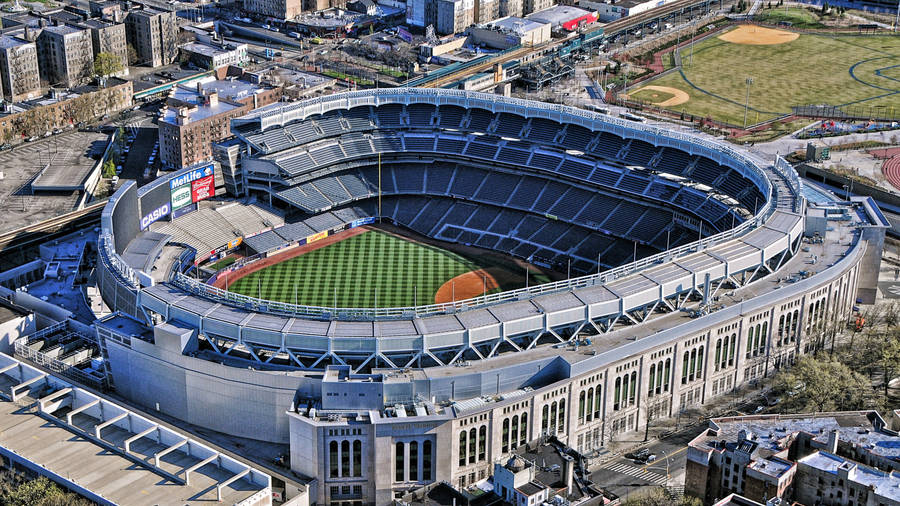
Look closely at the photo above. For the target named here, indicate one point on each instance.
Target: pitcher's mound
(466, 286)
(758, 36)
(678, 97)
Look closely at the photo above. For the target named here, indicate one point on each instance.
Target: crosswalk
(648, 475)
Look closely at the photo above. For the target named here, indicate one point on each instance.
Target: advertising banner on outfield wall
(181, 196)
(203, 188)
(361, 221)
(181, 211)
(317, 236)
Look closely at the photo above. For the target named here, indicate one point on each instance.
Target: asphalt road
(136, 161)
(623, 476)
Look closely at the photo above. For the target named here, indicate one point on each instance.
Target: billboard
(203, 188)
(181, 211)
(361, 221)
(317, 236)
(152, 203)
(190, 176)
(160, 212)
(181, 196)
(405, 35)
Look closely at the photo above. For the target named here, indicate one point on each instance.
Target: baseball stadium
(407, 285)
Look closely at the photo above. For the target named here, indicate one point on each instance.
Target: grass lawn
(812, 69)
(799, 17)
(221, 264)
(355, 268)
(654, 96)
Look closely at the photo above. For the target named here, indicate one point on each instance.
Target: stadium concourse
(688, 281)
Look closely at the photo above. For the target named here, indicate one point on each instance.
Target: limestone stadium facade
(697, 268)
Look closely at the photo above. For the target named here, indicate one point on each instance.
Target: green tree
(109, 168)
(107, 64)
(823, 385)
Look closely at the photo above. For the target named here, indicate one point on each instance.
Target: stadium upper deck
(445, 332)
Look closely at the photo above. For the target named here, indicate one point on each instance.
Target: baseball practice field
(786, 69)
(375, 268)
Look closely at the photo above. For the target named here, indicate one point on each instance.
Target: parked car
(32, 138)
(5, 146)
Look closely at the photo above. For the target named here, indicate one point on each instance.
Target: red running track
(885, 153)
(891, 171)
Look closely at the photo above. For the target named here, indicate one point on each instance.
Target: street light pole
(749, 81)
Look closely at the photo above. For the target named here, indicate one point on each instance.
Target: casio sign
(155, 215)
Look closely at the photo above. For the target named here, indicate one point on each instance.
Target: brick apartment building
(153, 35)
(844, 458)
(65, 55)
(280, 9)
(19, 75)
(198, 115)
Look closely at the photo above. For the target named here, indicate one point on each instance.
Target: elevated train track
(609, 30)
(14, 243)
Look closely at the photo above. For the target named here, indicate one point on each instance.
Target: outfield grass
(799, 17)
(355, 268)
(812, 69)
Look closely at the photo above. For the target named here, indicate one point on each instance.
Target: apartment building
(281, 9)
(846, 458)
(510, 8)
(198, 115)
(108, 37)
(450, 16)
(19, 75)
(153, 34)
(486, 10)
(529, 6)
(65, 55)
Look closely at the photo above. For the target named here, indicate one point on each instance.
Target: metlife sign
(159, 212)
(189, 176)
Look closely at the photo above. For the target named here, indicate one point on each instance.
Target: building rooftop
(773, 433)
(772, 466)
(206, 49)
(97, 23)
(558, 15)
(57, 443)
(63, 29)
(10, 311)
(200, 108)
(516, 24)
(7, 41)
(886, 485)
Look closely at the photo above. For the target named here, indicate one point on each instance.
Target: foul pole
(379, 187)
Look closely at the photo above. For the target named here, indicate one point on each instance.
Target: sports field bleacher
(217, 223)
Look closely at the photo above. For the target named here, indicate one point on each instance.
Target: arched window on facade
(399, 458)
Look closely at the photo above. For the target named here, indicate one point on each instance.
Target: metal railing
(51, 364)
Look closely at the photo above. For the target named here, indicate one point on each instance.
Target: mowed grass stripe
(356, 268)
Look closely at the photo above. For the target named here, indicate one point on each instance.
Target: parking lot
(68, 158)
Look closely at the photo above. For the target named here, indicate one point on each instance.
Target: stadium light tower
(747, 100)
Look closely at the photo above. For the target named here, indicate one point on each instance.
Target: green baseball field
(401, 272)
(786, 69)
